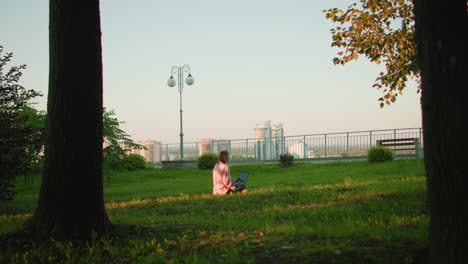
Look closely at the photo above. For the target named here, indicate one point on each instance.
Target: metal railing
(340, 145)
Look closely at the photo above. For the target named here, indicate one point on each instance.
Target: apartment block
(153, 150)
(214, 146)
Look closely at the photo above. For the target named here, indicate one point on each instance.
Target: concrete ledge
(187, 164)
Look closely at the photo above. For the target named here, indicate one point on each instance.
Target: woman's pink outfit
(222, 181)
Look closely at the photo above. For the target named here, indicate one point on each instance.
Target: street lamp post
(178, 71)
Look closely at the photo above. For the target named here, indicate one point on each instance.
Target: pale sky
(252, 60)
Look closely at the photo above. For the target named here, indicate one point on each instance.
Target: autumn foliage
(383, 32)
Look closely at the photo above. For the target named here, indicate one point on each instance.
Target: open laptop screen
(243, 177)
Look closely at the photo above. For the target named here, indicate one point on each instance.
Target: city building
(214, 146)
(300, 150)
(269, 140)
(206, 146)
(153, 150)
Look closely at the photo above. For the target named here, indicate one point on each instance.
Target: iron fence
(314, 146)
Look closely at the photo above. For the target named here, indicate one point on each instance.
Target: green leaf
(378, 30)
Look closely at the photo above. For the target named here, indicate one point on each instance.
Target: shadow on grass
(303, 224)
(180, 242)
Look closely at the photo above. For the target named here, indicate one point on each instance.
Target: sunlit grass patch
(345, 212)
(13, 217)
(127, 204)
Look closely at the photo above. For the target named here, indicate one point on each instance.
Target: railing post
(167, 152)
(246, 148)
(347, 144)
(418, 148)
(394, 133)
(370, 139)
(420, 136)
(304, 147)
(197, 150)
(325, 145)
(284, 145)
(271, 148)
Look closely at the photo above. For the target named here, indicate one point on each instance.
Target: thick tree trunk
(71, 198)
(441, 31)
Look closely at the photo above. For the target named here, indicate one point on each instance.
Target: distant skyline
(252, 61)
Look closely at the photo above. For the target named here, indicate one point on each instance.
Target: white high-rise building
(153, 150)
(269, 140)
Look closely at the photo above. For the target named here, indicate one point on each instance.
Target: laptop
(242, 178)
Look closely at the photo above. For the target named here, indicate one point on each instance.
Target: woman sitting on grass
(222, 182)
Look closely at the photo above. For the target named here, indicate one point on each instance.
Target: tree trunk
(71, 203)
(441, 31)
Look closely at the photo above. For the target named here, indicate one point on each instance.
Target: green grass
(340, 212)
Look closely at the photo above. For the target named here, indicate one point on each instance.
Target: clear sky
(252, 60)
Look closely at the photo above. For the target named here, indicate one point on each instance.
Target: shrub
(286, 159)
(22, 128)
(134, 162)
(379, 154)
(207, 161)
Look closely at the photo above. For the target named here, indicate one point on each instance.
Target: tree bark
(441, 32)
(71, 203)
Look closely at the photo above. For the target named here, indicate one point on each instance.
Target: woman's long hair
(224, 156)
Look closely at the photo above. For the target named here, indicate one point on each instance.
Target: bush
(379, 154)
(207, 161)
(134, 162)
(22, 128)
(286, 159)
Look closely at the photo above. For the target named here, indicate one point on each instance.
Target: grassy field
(340, 212)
